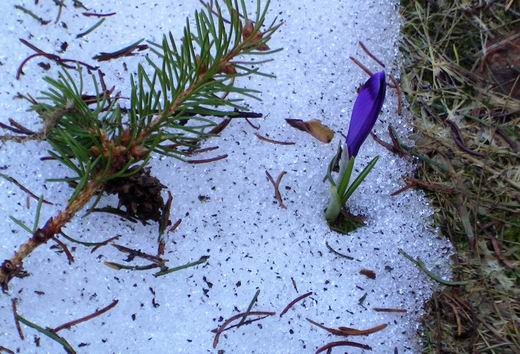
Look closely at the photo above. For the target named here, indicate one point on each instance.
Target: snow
(253, 244)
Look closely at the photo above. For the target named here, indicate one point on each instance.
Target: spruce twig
(100, 144)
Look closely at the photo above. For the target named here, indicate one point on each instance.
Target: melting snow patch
(228, 209)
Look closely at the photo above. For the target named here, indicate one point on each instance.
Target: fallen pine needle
(276, 186)
(166, 271)
(420, 264)
(236, 317)
(347, 331)
(16, 322)
(49, 333)
(272, 141)
(95, 314)
(292, 303)
(389, 309)
(343, 343)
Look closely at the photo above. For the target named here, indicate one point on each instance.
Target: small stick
(365, 49)
(70, 257)
(276, 186)
(16, 322)
(93, 14)
(343, 344)
(95, 314)
(213, 159)
(263, 138)
(294, 302)
(236, 317)
(389, 309)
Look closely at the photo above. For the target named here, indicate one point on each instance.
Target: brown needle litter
(272, 141)
(213, 159)
(389, 309)
(294, 302)
(65, 249)
(56, 58)
(23, 188)
(236, 317)
(276, 186)
(16, 322)
(343, 343)
(347, 331)
(95, 314)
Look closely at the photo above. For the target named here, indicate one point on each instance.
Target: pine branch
(101, 143)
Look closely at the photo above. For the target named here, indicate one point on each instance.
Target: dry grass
(461, 73)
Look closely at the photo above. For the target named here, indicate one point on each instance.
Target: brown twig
(294, 302)
(236, 317)
(95, 314)
(16, 322)
(276, 186)
(272, 141)
(343, 343)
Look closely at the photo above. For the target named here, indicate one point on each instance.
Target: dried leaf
(314, 127)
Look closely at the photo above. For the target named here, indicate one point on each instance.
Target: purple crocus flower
(365, 112)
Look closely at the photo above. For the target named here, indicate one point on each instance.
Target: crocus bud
(365, 112)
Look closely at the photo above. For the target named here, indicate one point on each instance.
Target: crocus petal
(365, 112)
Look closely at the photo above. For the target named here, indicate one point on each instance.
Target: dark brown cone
(140, 194)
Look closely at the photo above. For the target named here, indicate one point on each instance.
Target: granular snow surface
(228, 208)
